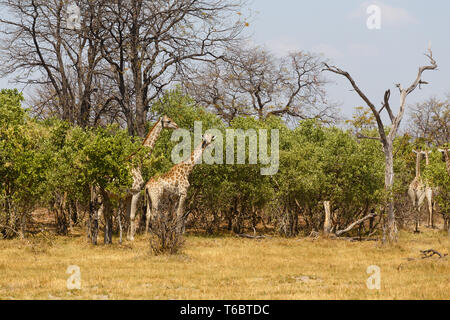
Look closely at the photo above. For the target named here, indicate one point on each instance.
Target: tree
(119, 60)
(437, 174)
(23, 163)
(320, 164)
(430, 120)
(249, 81)
(65, 65)
(148, 43)
(387, 138)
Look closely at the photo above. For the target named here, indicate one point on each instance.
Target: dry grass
(225, 268)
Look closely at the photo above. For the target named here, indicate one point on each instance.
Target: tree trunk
(391, 228)
(141, 114)
(93, 216)
(120, 225)
(327, 223)
(107, 214)
(448, 226)
(23, 225)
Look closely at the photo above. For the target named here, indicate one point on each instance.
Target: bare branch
(363, 96)
(354, 224)
(361, 136)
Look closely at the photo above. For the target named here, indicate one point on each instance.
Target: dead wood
(425, 255)
(430, 252)
(250, 236)
(354, 224)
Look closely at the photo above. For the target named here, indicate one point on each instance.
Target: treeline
(54, 165)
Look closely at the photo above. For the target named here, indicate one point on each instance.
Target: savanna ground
(225, 267)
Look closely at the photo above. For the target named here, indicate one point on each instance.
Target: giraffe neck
(418, 165)
(196, 155)
(153, 135)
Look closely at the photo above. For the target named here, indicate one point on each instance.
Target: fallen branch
(355, 239)
(314, 235)
(425, 255)
(429, 253)
(250, 236)
(354, 224)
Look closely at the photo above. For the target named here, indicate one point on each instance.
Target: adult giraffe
(138, 182)
(101, 199)
(416, 190)
(428, 192)
(444, 152)
(446, 158)
(175, 182)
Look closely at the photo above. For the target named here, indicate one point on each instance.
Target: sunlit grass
(226, 268)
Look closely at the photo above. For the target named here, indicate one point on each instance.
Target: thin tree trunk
(107, 214)
(327, 223)
(391, 228)
(93, 216)
(120, 225)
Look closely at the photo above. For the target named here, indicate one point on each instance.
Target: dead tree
(64, 64)
(387, 139)
(250, 81)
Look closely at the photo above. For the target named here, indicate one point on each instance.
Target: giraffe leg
(128, 212)
(412, 197)
(180, 212)
(420, 200)
(133, 207)
(429, 196)
(150, 214)
(152, 208)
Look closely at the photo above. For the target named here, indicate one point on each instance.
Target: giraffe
(416, 190)
(175, 182)
(428, 193)
(446, 158)
(102, 198)
(138, 182)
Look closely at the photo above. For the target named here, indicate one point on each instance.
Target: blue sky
(377, 59)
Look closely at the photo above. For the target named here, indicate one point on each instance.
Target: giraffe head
(196, 155)
(207, 139)
(168, 123)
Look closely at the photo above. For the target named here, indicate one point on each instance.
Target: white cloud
(390, 16)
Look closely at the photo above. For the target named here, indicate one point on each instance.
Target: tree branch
(350, 227)
(363, 96)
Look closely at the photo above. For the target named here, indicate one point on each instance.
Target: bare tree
(120, 57)
(251, 81)
(387, 135)
(431, 120)
(40, 48)
(147, 43)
